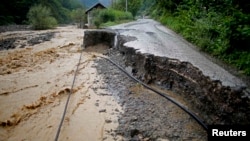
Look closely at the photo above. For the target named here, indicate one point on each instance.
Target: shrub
(107, 15)
(102, 16)
(97, 22)
(120, 15)
(40, 17)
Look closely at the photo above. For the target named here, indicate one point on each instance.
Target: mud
(105, 104)
(9, 28)
(34, 86)
(11, 41)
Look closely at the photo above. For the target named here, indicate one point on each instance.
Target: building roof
(88, 3)
(94, 6)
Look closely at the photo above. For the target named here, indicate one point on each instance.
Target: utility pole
(126, 5)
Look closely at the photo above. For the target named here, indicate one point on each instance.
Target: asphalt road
(156, 39)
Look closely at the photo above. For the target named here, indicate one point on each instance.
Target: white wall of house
(89, 19)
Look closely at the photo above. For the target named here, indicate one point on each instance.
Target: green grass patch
(109, 23)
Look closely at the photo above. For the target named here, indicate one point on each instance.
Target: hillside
(15, 12)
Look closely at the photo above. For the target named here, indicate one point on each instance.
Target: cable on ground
(200, 122)
(67, 102)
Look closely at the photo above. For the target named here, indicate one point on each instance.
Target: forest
(218, 27)
(15, 11)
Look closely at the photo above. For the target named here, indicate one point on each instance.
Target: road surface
(154, 38)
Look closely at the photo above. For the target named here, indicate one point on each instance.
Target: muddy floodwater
(34, 84)
(36, 74)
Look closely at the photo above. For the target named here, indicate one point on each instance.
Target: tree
(40, 17)
(79, 16)
(15, 11)
(133, 6)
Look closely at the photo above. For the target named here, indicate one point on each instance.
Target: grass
(109, 23)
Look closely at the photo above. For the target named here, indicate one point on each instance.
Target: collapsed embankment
(209, 99)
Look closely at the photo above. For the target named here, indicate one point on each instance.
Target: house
(89, 12)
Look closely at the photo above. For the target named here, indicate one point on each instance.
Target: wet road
(154, 38)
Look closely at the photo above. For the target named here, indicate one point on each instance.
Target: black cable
(67, 102)
(161, 94)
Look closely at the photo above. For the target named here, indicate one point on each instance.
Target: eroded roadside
(147, 116)
(209, 98)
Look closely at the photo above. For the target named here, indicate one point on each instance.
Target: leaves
(219, 27)
(132, 5)
(78, 16)
(103, 16)
(15, 11)
(40, 17)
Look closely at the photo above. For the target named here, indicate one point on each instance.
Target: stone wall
(98, 36)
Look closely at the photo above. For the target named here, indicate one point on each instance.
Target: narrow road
(154, 38)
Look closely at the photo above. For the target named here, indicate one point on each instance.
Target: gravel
(146, 116)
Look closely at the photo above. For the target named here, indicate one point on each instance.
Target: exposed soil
(36, 74)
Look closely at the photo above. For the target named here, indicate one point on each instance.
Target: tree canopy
(15, 11)
(133, 6)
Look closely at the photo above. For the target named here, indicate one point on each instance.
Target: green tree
(40, 17)
(15, 11)
(132, 5)
(79, 16)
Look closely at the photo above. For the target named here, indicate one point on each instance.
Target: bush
(97, 23)
(107, 15)
(40, 18)
(103, 16)
(119, 15)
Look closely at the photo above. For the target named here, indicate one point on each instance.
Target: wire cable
(67, 102)
(200, 122)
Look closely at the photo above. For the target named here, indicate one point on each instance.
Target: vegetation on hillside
(40, 17)
(219, 27)
(133, 6)
(15, 11)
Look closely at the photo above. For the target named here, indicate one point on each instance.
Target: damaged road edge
(213, 102)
